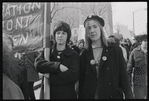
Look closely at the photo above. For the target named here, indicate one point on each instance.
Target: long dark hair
(62, 26)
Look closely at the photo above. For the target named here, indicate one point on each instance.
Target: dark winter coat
(29, 59)
(62, 84)
(112, 79)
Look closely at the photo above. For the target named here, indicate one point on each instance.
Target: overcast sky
(123, 14)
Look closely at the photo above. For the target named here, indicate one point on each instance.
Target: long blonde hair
(88, 41)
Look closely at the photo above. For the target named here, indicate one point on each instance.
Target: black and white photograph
(74, 50)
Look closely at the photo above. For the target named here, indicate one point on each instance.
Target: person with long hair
(102, 65)
(63, 65)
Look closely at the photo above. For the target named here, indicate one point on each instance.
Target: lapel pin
(58, 57)
(92, 62)
(104, 58)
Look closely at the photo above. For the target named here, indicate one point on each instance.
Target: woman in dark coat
(63, 65)
(102, 66)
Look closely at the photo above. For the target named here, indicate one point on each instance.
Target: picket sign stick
(46, 53)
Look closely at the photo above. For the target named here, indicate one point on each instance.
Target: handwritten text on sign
(24, 21)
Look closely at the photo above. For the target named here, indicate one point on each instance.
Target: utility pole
(133, 25)
(47, 25)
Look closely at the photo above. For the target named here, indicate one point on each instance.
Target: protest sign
(25, 23)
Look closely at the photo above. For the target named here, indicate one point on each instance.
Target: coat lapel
(104, 57)
(91, 57)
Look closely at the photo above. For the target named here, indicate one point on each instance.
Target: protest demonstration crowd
(97, 67)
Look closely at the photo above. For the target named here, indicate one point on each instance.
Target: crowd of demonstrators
(102, 66)
(95, 68)
(136, 63)
(103, 71)
(126, 45)
(137, 69)
(63, 65)
(11, 71)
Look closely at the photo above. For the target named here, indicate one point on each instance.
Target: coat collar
(68, 51)
(139, 48)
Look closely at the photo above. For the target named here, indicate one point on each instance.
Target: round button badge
(58, 57)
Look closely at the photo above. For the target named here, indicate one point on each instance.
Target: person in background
(74, 47)
(63, 65)
(102, 65)
(135, 44)
(137, 69)
(11, 90)
(112, 38)
(117, 42)
(123, 50)
(124, 44)
(81, 45)
(129, 44)
(32, 73)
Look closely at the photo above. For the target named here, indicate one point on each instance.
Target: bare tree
(102, 9)
(70, 21)
(98, 9)
(56, 8)
(93, 9)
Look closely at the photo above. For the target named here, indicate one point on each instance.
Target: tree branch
(57, 11)
(53, 7)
